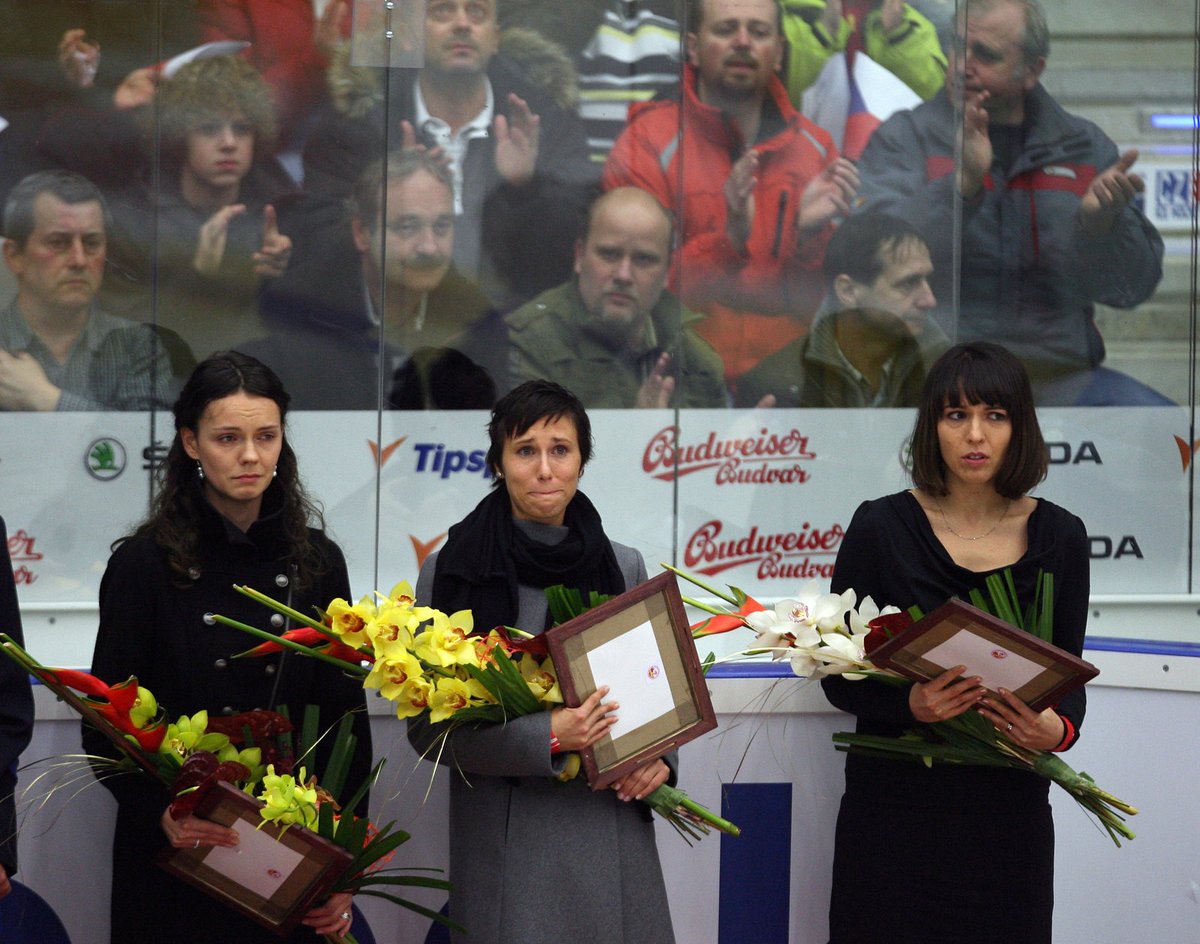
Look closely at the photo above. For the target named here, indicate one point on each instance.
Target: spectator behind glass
(58, 349)
(755, 183)
(613, 335)
(518, 156)
(377, 300)
(16, 717)
(974, 840)
(891, 32)
(537, 529)
(624, 51)
(870, 345)
(1049, 226)
(290, 42)
(197, 241)
(230, 508)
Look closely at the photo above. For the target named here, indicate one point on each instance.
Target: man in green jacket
(613, 334)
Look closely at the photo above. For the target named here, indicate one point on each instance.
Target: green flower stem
(260, 597)
(690, 578)
(345, 666)
(669, 801)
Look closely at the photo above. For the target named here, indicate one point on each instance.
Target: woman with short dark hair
(951, 853)
(533, 860)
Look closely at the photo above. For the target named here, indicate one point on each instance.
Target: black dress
(152, 628)
(945, 853)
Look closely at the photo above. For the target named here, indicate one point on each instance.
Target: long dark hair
(178, 501)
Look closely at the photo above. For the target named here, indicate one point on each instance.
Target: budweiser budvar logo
(804, 554)
(21, 552)
(766, 459)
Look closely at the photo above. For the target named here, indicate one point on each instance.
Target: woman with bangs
(951, 852)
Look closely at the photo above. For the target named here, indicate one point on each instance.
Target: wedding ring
(1009, 728)
(345, 915)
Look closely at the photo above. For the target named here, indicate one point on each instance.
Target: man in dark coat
(371, 311)
(518, 158)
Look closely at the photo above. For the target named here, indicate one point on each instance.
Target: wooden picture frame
(639, 645)
(957, 633)
(273, 876)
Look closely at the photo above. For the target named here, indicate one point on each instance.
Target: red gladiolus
(198, 775)
(723, 624)
(263, 725)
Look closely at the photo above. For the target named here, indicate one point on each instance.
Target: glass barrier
(740, 236)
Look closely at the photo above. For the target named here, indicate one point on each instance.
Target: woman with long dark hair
(230, 509)
(951, 853)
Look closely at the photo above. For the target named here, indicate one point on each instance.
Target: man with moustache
(756, 184)
(372, 311)
(518, 158)
(613, 335)
(58, 350)
(870, 347)
(1048, 224)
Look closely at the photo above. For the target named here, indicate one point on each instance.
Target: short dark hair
(530, 403)
(366, 199)
(979, 372)
(695, 15)
(857, 246)
(19, 218)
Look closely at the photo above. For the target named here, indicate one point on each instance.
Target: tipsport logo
(434, 458)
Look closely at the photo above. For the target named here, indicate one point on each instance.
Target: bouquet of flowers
(826, 634)
(427, 661)
(259, 752)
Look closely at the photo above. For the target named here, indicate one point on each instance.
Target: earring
(200, 470)
(274, 471)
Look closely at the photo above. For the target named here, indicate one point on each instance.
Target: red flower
(723, 624)
(884, 628)
(314, 639)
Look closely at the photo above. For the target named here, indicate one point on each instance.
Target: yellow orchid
(394, 624)
(450, 696)
(412, 697)
(289, 800)
(349, 622)
(540, 678)
(392, 670)
(145, 707)
(447, 641)
(187, 734)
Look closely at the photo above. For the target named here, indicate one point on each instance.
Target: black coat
(155, 629)
(16, 712)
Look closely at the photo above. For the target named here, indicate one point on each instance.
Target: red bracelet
(555, 746)
(1068, 735)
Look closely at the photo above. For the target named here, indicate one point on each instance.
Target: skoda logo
(105, 459)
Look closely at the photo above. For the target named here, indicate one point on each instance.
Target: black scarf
(487, 557)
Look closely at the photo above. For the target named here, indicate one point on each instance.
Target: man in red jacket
(755, 185)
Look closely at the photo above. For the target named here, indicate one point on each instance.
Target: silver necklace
(977, 537)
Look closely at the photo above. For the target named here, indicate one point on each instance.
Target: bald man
(613, 334)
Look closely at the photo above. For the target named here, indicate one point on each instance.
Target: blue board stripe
(751, 908)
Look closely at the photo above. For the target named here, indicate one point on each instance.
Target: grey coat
(533, 860)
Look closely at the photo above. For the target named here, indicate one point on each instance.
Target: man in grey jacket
(1048, 225)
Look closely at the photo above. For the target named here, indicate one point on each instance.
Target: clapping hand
(1109, 194)
(517, 142)
(739, 199)
(828, 195)
(272, 259)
